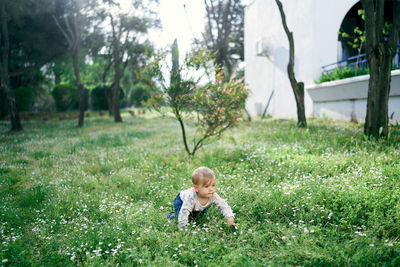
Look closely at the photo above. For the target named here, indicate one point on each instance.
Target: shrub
(98, 99)
(141, 92)
(215, 106)
(65, 96)
(24, 98)
(341, 73)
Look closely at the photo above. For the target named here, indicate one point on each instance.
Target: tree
(298, 87)
(215, 106)
(126, 30)
(223, 34)
(73, 28)
(27, 42)
(380, 48)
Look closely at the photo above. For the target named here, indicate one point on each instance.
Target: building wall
(347, 99)
(314, 23)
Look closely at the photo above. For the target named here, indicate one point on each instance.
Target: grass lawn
(99, 195)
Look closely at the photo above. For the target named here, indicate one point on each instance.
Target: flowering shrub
(217, 104)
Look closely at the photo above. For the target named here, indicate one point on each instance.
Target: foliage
(98, 99)
(24, 98)
(341, 73)
(357, 39)
(99, 195)
(217, 105)
(33, 40)
(65, 97)
(27, 43)
(140, 94)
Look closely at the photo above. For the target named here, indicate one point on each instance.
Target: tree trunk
(80, 88)
(107, 94)
(376, 120)
(380, 51)
(301, 111)
(298, 87)
(115, 88)
(4, 71)
(12, 106)
(117, 73)
(116, 109)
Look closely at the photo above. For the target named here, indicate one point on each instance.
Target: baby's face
(206, 190)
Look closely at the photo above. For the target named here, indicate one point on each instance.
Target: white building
(315, 25)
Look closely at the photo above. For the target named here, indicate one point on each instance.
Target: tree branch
(62, 31)
(208, 11)
(291, 46)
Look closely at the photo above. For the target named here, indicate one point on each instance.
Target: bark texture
(298, 87)
(4, 71)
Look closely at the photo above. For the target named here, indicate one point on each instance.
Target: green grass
(99, 195)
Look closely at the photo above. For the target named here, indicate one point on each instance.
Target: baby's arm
(183, 216)
(225, 209)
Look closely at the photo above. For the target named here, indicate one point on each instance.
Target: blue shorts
(178, 205)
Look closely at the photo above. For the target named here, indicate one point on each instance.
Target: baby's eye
(206, 186)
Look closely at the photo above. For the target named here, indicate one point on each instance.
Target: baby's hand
(231, 221)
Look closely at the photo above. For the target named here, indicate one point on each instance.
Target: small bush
(140, 93)
(341, 73)
(217, 105)
(24, 98)
(65, 96)
(98, 99)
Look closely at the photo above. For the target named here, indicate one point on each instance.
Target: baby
(195, 200)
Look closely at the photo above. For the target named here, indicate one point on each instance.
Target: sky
(178, 22)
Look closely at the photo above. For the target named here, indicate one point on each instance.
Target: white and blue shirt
(191, 203)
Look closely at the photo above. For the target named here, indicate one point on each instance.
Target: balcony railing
(362, 62)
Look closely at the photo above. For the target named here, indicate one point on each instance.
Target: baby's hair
(202, 175)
